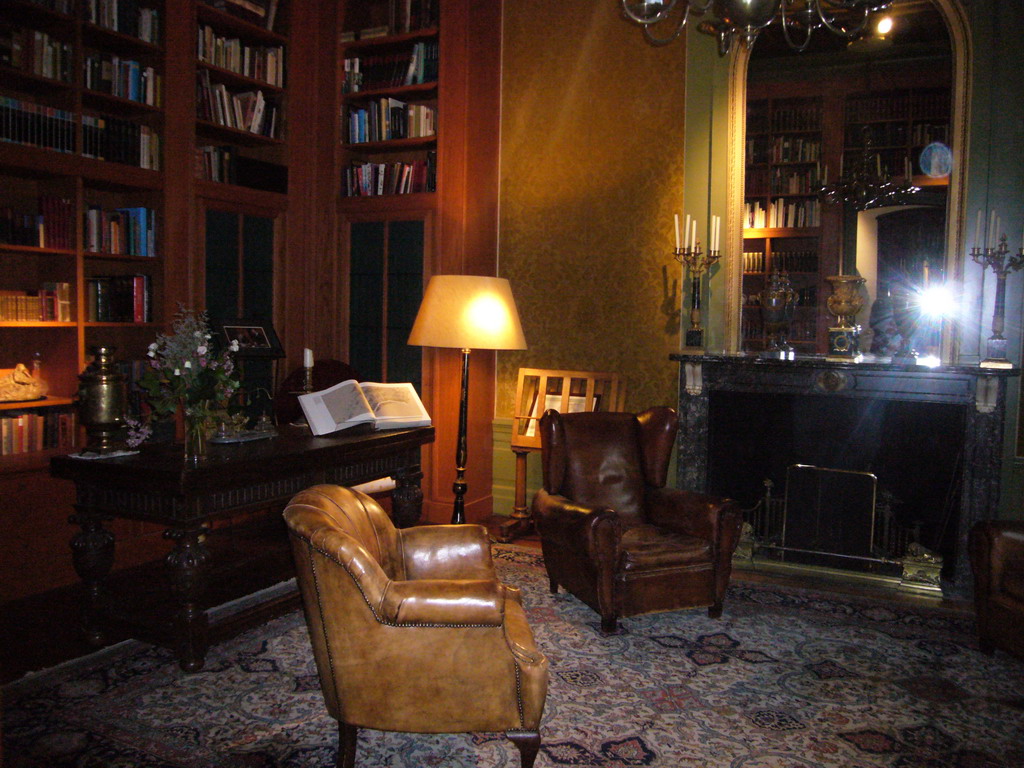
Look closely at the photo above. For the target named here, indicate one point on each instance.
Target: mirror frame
(960, 109)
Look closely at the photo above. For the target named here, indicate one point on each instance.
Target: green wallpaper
(591, 174)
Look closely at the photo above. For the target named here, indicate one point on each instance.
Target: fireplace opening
(848, 483)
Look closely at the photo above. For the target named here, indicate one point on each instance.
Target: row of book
(265, 63)
(781, 213)
(403, 16)
(262, 13)
(118, 299)
(38, 431)
(31, 50)
(904, 104)
(389, 119)
(36, 125)
(226, 165)
(800, 328)
(415, 66)
(60, 6)
(48, 226)
(782, 261)
(125, 16)
(804, 115)
(398, 178)
(120, 141)
(51, 302)
(248, 111)
(128, 231)
(125, 78)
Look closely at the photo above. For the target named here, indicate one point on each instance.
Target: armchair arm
(444, 602)
(579, 527)
(993, 544)
(696, 514)
(446, 552)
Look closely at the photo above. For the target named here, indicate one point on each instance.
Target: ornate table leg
(187, 566)
(407, 498)
(92, 552)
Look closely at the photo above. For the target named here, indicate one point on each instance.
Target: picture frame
(256, 338)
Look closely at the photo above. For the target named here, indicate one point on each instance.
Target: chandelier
(864, 185)
(744, 19)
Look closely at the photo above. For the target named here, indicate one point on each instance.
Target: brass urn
(845, 302)
(778, 302)
(102, 399)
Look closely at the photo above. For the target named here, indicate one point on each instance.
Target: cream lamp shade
(468, 312)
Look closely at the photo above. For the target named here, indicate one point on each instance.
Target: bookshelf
(241, 68)
(783, 216)
(80, 198)
(389, 76)
(899, 124)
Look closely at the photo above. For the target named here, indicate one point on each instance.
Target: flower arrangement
(185, 371)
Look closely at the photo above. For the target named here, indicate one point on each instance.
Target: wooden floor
(42, 631)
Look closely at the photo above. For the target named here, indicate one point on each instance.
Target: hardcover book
(351, 403)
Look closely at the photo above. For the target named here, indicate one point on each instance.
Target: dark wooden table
(155, 485)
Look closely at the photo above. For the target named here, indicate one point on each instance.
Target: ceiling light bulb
(884, 26)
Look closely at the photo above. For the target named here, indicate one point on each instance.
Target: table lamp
(466, 312)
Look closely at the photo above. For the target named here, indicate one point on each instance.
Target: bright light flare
(937, 301)
(884, 26)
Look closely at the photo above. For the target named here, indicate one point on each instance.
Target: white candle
(995, 235)
(307, 358)
(714, 233)
(677, 231)
(693, 238)
(686, 234)
(718, 233)
(990, 240)
(977, 231)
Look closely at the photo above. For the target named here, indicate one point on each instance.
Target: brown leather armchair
(996, 549)
(612, 533)
(411, 629)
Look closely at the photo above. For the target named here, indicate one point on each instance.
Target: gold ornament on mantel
(17, 384)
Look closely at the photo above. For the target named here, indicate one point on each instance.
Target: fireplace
(862, 467)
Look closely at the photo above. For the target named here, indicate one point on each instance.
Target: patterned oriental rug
(786, 679)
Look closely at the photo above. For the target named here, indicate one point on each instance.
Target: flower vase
(195, 435)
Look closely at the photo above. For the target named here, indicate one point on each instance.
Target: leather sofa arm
(446, 552)
(446, 602)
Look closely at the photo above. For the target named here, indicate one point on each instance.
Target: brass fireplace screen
(837, 518)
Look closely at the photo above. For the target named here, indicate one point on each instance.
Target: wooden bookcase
(293, 177)
(785, 167)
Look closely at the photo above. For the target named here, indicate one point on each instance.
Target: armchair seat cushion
(649, 547)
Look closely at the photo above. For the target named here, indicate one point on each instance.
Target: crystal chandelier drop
(744, 19)
(864, 185)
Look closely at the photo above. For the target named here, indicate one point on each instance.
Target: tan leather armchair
(996, 550)
(612, 533)
(411, 629)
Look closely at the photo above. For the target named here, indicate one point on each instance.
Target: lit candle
(677, 231)
(307, 358)
(925, 275)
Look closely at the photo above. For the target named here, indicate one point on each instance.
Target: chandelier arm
(644, 21)
(785, 34)
(837, 30)
(659, 41)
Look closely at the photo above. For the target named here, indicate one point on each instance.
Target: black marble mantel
(980, 394)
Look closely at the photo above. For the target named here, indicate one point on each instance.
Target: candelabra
(697, 262)
(1002, 263)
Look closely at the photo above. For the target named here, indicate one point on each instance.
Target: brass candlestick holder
(1002, 264)
(697, 262)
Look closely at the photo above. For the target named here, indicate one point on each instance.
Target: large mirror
(889, 108)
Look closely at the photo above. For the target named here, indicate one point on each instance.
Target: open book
(350, 403)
